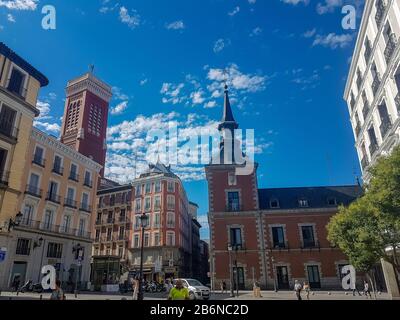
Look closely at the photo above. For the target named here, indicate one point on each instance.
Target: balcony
(99, 222)
(390, 47)
(41, 162)
(121, 237)
(373, 148)
(385, 127)
(70, 203)
(123, 219)
(310, 244)
(364, 162)
(57, 229)
(58, 170)
(85, 207)
(88, 183)
(33, 191)
(4, 176)
(375, 84)
(10, 133)
(73, 176)
(280, 246)
(55, 198)
(110, 221)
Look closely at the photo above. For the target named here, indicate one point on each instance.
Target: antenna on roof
(91, 68)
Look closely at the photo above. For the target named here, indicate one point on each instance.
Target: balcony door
(282, 277)
(3, 158)
(313, 277)
(7, 120)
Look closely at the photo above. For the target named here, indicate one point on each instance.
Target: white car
(196, 289)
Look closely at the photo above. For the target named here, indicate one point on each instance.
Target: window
(157, 220)
(137, 222)
(7, 121)
(88, 179)
(171, 202)
(112, 200)
(54, 250)
(308, 236)
(66, 224)
(171, 186)
(157, 202)
(138, 205)
(170, 220)
(97, 237)
(148, 188)
(156, 239)
(70, 197)
(38, 156)
(274, 204)
(278, 237)
(170, 238)
(236, 237)
(147, 204)
(157, 186)
(57, 166)
(109, 234)
(138, 190)
(332, 201)
(28, 215)
(121, 232)
(23, 247)
(73, 172)
(136, 241)
(232, 179)
(120, 251)
(34, 182)
(233, 201)
(85, 201)
(48, 220)
(16, 82)
(303, 203)
(82, 226)
(146, 240)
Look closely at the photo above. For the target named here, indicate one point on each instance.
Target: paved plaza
(243, 295)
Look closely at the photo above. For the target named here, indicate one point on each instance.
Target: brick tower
(84, 126)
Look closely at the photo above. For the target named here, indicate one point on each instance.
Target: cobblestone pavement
(243, 295)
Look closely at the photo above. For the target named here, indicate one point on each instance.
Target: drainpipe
(262, 247)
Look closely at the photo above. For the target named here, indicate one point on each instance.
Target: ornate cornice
(90, 83)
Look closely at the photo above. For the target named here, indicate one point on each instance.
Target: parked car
(196, 289)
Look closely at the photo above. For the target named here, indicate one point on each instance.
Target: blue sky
(286, 61)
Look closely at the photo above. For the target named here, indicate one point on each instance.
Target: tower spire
(228, 121)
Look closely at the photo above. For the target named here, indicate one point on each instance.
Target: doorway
(283, 277)
(313, 277)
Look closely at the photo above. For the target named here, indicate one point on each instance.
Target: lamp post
(230, 270)
(143, 220)
(78, 248)
(236, 247)
(16, 223)
(274, 272)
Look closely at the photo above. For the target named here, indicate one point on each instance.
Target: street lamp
(78, 248)
(16, 223)
(143, 221)
(37, 244)
(273, 271)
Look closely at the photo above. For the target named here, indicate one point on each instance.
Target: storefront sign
(169, 270)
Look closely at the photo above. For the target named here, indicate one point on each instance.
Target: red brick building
(273, 236)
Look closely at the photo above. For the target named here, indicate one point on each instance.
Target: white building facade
(373, 85)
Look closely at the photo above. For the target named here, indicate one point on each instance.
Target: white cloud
(252, 1)
(255, 32)
(310, 33)
(197, 97)
(328, 6)
(10, 18)
(44, 118)
(296, 2)
(143, 82)
(176, 25)
(132, 20)
(120, 108)
(220, 44)
(333, 40)
(49, 127)
(118, 94)
(171, 93)
(19, 4)
(210, 104)
(234, 11)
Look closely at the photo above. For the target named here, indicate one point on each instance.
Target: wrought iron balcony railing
(9, 132)
(33, 191)
(4, 177)
(71, 203)
(40, 161)
(53, 197)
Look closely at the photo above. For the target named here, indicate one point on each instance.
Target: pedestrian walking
(58, 293)
(168, 285)
(223, 287)
(179, 292)
(297, 288)
(367, 292)
(306, 288)
(135, 288)
(16, 283)
(257, 290)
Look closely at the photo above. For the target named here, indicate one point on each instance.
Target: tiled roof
(316, 197)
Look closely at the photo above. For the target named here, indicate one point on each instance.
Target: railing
(123, 219)
(385, 126)
(58, 170)
(110, 220)
(73, 176)
(280, 246)
(9, 132)
(70, 203)
(233, 207)
(99, 222)
(85, 207)
(39, 161)
(53, 197)
(4, 176)
(373, 147)
(40, 225)
(310, 244)
(390, 47)
(33, 191)
(88, 183)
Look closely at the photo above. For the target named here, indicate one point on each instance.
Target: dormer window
(303, 203)
(332, 202)
(274, 204)
(16, 82)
